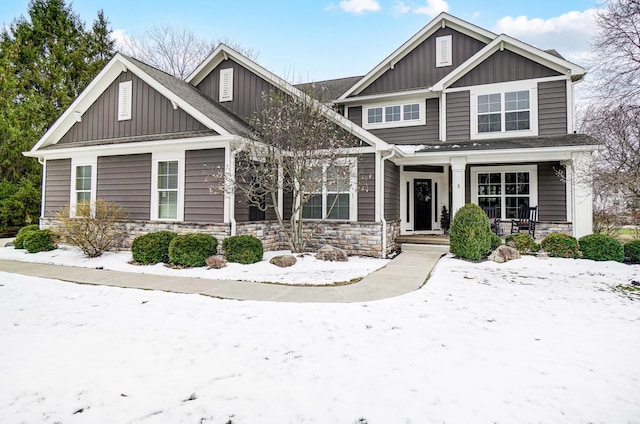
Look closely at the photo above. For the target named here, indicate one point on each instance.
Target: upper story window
(124, 101)
(398, 115)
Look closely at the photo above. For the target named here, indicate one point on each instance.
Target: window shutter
(124, 101)
(226, 85)
(443, 51)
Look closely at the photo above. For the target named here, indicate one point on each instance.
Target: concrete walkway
(405, 273)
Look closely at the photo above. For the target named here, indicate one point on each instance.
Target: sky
(314, 40)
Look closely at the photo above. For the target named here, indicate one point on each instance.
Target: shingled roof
(331, 89)
(566, 140)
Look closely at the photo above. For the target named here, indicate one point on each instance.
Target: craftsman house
(456, 114)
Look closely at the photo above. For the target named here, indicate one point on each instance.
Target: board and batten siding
(247, 88)
(200, 205)
(503, 66)
(391, 191)
(126, 180)
(458, 115)
(418, 68)
(151, 113)
(552, 193)
(57, 191)
(552, 107)
(367, 187)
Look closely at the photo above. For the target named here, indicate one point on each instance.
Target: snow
(532, 340)
(307, 270)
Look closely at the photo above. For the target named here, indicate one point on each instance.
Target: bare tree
(296, 150)
(175, 50)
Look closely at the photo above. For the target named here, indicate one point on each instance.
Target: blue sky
(312, 40)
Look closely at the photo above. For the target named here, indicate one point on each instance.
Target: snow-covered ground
(307, 270)
(532, 340)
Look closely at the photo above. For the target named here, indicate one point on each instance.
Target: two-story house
(456, 114)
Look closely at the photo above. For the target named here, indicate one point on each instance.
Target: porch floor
(437, 239)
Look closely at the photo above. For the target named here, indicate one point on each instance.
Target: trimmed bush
(523, 242)
(600, 247)
(560, 246)
(152, 248)
(40, 241)
(470, 235)
(496, 241)
(18, 243)
(192, 250)
(244, 249)
(632, 251)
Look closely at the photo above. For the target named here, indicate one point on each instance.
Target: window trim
(352, 164)
(422, 114)
(73, 197)
(167, 157)
(533, 182)
(502, 88)
(124, 100)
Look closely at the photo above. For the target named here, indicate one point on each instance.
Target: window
(168, 190)
(124, 101)
(516, 106)
(394, 115)
(226, 85)
(489, 116)
(83, 184)
(504, 110)
(333, 197)
(443, 51)
(508, 190)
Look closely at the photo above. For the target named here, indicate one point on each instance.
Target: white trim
(570, 107)
(165, 157)
(424, 93)
(226, 85)
(124, 101)
(422, 115)
(83, 160)
(444, 47)
(582, 196)
(443, 117)
(458, 183)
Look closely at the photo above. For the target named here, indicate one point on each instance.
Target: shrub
(152, 248)
(600, 247)
(216, 262)
(18, 243)
(192, 250)
(470, 235)
(496, 241)
(96, 227)
(244, 249)
(523, 242)
(632, 251)
(560, 246)
(40, 241)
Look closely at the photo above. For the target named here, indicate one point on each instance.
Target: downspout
(230, 190)
(382, 220)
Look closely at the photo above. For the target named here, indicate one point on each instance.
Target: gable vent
(226, 85)
(443, 51)
(124, 101)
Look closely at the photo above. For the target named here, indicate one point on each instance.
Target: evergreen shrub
(632, 251)
(244, 249)
(192, 250)
(561, 246)
(470, 235)
(152, 248)
(18, 243)
(601, 247)
(523, 242)
(40, 241)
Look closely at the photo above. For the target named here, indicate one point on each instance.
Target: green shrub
(470, 235)
(600, 247)
(632, 251)
(244, 249)
(40, 241)
(152, 248)
(496, 241)
(18, 243)
(560, 246)
(523, 242)
(192, 250)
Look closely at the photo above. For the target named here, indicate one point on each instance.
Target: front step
(411, 247)
(441, 240)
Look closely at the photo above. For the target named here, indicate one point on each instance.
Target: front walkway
(405, 273)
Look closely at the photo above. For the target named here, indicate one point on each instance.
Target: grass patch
(630, 291)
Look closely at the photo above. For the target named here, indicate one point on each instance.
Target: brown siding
(247, 88)
(151, 113)
(126, 180)
(391, 191)
(504, 66)
(199, 204)
(367, 187)
(418, 68)
(458, 116)
(57, 186)
(552, 107)
(552, 193)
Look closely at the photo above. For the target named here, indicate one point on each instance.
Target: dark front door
(422, 200)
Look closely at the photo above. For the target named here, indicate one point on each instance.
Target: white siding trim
(443, 51)
(124, 101)
(226, 85)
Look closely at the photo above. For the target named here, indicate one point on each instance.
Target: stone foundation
(543, 228)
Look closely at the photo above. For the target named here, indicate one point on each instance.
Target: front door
(422, 204)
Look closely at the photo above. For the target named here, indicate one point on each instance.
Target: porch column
(582, 195)
(458, 167)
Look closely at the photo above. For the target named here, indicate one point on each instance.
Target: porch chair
(527, 219)
(492, 214)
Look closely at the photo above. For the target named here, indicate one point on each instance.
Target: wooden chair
(527, 219)
(492, 214)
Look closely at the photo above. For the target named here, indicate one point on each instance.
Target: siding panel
(58, 186)
(391, 191)
(552, 107)
(366, 189)
(458, 116)
(552, 194)
(199, 205)
(126, 180)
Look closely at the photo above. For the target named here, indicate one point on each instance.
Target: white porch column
(458, 166)
(582, 195)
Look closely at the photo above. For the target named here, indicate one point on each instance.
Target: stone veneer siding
(543, 228)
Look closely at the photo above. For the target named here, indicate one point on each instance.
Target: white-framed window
(124, 101)
(335, 195)
(226, 85)
(83, 181)
(507, 188)
(504, 110)
(167, 187)
(394, 115)
(83, 184)
(443, 51)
